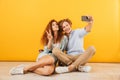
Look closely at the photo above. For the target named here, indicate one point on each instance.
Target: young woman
(45, 62)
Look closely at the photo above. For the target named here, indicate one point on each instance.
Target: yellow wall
(22, 23)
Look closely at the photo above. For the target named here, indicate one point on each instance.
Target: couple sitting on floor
(59, 38)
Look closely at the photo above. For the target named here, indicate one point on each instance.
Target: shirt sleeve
(46, 50)
(64, 43)
(82, 32)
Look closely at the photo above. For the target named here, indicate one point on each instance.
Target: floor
(100, 71)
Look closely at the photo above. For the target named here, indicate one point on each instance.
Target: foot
(84, 68)
(17, 70)
(61, 69)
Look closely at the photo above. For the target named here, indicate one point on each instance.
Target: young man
(76, 56)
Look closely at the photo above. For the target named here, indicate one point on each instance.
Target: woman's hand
(49, 35)
(50, 38)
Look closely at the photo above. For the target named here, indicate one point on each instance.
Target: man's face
(66, 27)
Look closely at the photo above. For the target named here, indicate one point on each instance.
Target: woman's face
(55, 26)
(66, 27)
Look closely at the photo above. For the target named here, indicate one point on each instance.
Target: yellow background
(22, 23)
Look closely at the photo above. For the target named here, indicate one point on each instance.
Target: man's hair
(60, 23)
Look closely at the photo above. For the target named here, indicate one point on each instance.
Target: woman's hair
(44, 39)
(60, 23)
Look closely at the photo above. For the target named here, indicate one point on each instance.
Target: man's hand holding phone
(87, 19)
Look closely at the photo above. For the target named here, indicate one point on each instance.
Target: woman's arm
(50, 38)
(49, 45)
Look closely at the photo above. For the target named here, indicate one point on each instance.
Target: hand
(90, 18)
(89, 24)
(49, 35)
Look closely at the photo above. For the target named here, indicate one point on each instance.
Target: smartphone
(85, 18)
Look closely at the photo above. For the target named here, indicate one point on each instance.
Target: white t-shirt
(76, 42)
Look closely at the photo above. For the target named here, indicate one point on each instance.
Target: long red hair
(44, 39)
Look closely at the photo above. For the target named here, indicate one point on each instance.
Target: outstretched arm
(88, 27)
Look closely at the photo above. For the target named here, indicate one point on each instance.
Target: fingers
(91, 18)
(47, 32)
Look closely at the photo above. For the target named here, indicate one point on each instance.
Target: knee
(92, 48)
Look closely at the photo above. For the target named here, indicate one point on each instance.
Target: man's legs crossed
(82, 59)
(66, 59)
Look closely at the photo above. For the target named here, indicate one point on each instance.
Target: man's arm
(88, 27)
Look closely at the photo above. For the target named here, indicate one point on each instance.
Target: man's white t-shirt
(76, 42)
